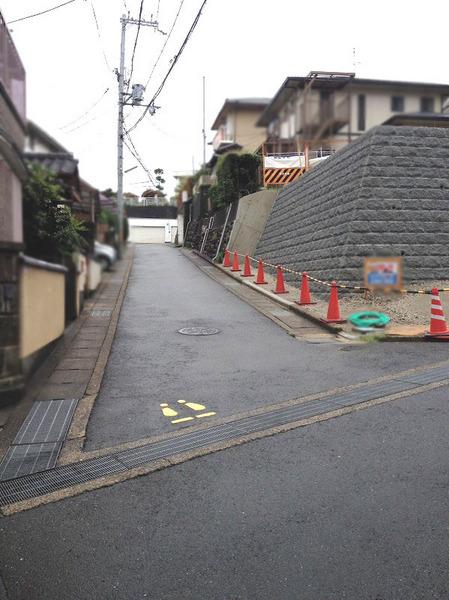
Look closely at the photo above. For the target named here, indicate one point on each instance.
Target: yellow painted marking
(183, 420)
(195, 406)
(209, 414)
(181, 401)
(167, 411)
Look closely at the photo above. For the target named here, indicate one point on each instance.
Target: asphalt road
(354, 508)
(252, 362)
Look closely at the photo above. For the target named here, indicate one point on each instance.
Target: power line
(86, 112)
(135, 44)
(166, 41)
(174, 61)
(99, 37)
(43, 12)
(137, 156)
(83, 124)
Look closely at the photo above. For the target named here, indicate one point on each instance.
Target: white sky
(243, 47)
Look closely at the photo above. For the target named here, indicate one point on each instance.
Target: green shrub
(51, 231)
(237, 176)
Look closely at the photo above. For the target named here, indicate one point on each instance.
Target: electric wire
(86, 112)
(165, 43)
(99, 37)
(135, 45)
(173, 63)
(132, 148)
(43, 12)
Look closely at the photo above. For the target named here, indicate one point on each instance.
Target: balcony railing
(321, 117)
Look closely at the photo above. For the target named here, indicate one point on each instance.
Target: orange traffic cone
(438, 327)
(333, 310)
(247, 268)
(235, 263)
(260, 278)
(227, 258)
(280, 287)
(305, 297)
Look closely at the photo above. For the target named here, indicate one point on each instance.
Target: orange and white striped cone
(235, 262)
(438, 326)
(247, 268)
(227, 258)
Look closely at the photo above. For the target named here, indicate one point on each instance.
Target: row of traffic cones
(305, 298)
(438, 326)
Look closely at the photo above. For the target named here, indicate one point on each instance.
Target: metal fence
(210, 234)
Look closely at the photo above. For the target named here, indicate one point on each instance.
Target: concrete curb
(285, 303)
(74, 442)
(303, 313)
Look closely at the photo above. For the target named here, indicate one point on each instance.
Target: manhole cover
(198, 331)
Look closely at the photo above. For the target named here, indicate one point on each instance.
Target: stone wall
(386, 194)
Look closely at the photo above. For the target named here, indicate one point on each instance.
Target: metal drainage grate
(29, 458)
(198, 331)
(38, 484)
(101, 313)
(38, 442)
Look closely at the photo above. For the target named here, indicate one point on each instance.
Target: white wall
(378, 105)
(150, 231)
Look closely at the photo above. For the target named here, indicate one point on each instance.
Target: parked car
(105, 254)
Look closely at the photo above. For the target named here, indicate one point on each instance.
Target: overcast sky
(243, 48)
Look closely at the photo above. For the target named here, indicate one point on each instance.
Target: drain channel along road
(214, 438)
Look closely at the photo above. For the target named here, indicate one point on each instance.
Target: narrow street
(249, 364)
(353, 507)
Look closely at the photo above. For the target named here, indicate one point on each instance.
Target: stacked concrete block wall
(387, 194)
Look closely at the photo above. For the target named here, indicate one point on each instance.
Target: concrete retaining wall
(387, 194)
(250, 221)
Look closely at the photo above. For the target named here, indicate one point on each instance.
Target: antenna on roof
(355, 62)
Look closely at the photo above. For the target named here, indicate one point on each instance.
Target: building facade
(329, 110)
(12, 174)
(235, 125)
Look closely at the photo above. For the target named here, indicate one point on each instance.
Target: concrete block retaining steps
(386, 194)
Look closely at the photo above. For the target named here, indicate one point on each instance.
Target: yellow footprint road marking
(167, 411)
(209, 414)
(183, 420)
(192, 405)
(199, 409)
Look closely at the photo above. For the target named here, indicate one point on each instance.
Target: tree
(237, 176)
(160, 180)
(51, 231)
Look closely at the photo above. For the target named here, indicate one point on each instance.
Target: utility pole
(204, 121)
(121, 78)
(136, 99)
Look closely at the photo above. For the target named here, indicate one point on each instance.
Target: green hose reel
(368, 320)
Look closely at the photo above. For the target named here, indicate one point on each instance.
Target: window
(397, 104)
(427, 105)
(361, 112)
